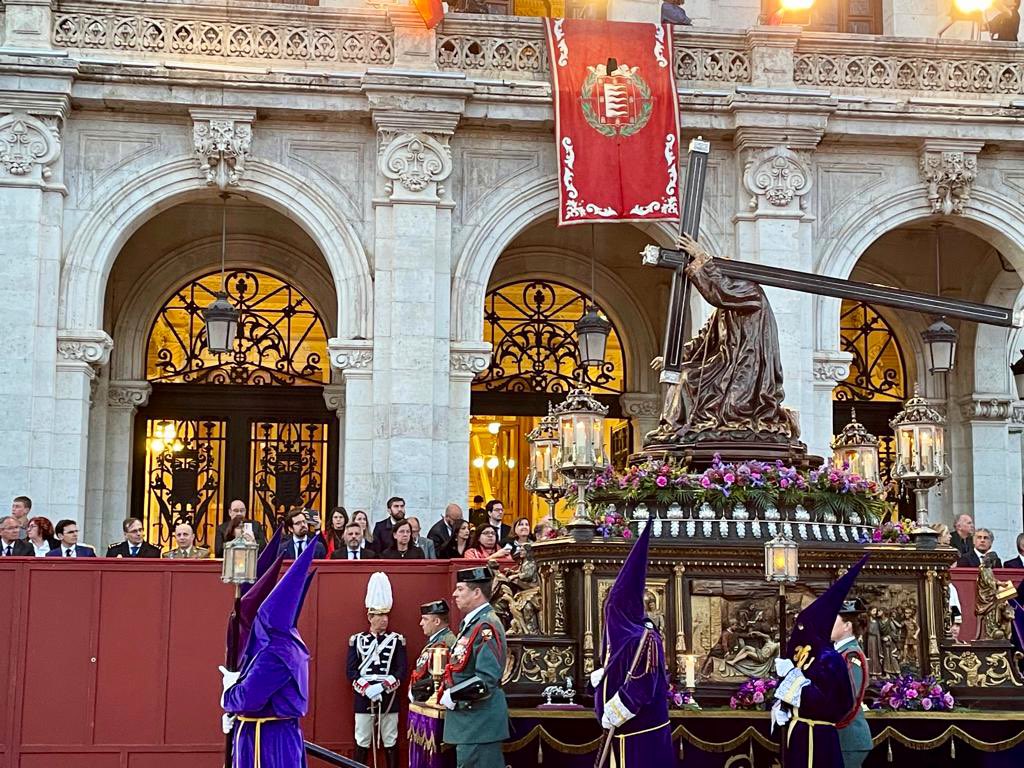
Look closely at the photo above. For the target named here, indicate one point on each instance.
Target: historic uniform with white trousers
(376, 666)
(854, 733)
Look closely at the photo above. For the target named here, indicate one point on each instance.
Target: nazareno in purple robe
(645, 739)
(272, 693)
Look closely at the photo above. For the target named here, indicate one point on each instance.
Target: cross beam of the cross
(881, 295)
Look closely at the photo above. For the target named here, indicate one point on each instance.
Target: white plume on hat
(378, 593)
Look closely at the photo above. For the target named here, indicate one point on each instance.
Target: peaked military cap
(851, 607)
(436, 608)
(474, 575)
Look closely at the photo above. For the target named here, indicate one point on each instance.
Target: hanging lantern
(1017, 369)
(940, 340)
(221, 321)
(780, 560)
(239, 564)
(592, 332)
(856, 448)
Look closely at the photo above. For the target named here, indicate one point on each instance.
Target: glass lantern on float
(857, 449)
(581, 455)
(920, 453)
(781, 566)
(544, 478)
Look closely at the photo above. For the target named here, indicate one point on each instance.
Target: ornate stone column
(354, 359)
(830, 368)
(123, 399)
(334, 398)
(775, 229)
(643, 411)
(468, 358)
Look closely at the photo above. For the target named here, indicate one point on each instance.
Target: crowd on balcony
(483, 535)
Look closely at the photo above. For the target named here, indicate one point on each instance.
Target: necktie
(135, 550)
(299, 546)
(355, 555)
(10, 550)
(68, 553)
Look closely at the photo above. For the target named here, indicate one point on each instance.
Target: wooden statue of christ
(730, 384)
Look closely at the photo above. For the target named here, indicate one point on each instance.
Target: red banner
(617, 131)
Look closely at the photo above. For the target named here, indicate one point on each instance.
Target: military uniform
(193, 553)
(477, 727)
(421, 685)
(854, 734)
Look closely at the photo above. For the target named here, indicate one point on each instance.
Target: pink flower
(948, 700)
(926, 704)
(705, 482)
(661, 481)
(911, 693)
(627, 534)
(730, 478)
(758, 696)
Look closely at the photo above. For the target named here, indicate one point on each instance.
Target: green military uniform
(478, 728)
(854, 734)
(194, 553)
(443, 638)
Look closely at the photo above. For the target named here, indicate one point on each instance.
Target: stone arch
(132, 326)
(91, 254)
(498, 219)
(996, 348)
(639, 342)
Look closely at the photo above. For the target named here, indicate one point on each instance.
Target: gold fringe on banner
(424, 741)
(950, 733)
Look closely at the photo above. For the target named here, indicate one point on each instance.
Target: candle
(581, 443)
(691, 671)
(437, 661)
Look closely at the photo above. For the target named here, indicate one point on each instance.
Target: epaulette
(352, 639)
(401, 637)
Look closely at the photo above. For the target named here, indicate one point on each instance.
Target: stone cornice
(468, 358)
(981, 407)
(353, 357)
(83, 351)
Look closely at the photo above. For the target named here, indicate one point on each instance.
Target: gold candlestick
(438, 661)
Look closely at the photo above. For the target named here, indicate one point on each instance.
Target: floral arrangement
(913, 694)
(726, 486)
(756, 693)
(664, 482)
(897, 532)
(682, 698)
(612, 524)
(845, 493)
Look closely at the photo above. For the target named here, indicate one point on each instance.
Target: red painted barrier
(113, 663)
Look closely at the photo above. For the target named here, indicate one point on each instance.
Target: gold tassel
(540, 750)
(680, 749)
(890, 750)
(952, 747)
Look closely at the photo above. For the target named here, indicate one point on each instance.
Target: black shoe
(361, 754)
(391, 753)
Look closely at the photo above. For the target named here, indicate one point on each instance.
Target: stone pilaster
(354, 359)
(334, 398)
(643, 410)
(467, 359)
(830, 368)
(123, 399)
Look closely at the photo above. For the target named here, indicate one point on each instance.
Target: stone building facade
(394, 176)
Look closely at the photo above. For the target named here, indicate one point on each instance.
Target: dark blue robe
(810, 738)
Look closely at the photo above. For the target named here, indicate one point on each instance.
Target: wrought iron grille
(877, 371)
(184, 473)
(531, 327)
(287, 468)
(281, 338)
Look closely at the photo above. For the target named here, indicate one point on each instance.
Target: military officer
(477, 718)
(854, 734)
(376, 666)
(186, 548)
(434, 623)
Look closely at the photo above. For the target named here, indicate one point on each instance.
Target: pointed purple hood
(813, 625)
(624, 614)
(274, 628)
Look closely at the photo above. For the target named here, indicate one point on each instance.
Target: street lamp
(781, 566)
(920, 451)
(544, 478)
(592, 332)
(221, 318)
(856, 448)
(581, 452)
(940, 339)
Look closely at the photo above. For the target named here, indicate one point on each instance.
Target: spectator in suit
(495, 518)
(382, 531)
(185, 540)
(672, 13)
(355, 546)
(360, 517)
(301, 537)
(441, 532)
(403, 548)
(477, 513)
(20, 508)
(236, 513)
(983, 541)
(1018, 561)
(334, 534)
(963, 534)
(484, 546)
(457, 545)
(133, 545)
(10, 544)
(1006, 25)
(67, 535)
(422, 542)
(40, 536)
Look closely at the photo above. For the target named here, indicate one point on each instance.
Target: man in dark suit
(383, 538)
(10, 544)
(477, 513)
(236, 511)
(133, 545)
(441, 531)
(67, 535)
(1018, 561)
(962, 537)
(301, 537)
(983, 541)
(355, 545)
(495, 516)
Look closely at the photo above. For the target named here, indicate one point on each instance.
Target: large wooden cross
(777, 277)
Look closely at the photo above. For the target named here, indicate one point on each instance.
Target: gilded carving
(517, 599)
(982, 669)
(893, 638)
(545, 665)
(559, 601)
(588, 610)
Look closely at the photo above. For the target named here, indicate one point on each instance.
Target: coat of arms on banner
(616, 103)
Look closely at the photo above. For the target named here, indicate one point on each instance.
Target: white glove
(615, 713)
(780, 715)
(789, 690)
(411, 699)
(373, 692)
(229, 677)
(783, 667)
(446, 700)
(596, 677)
(227, 722)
